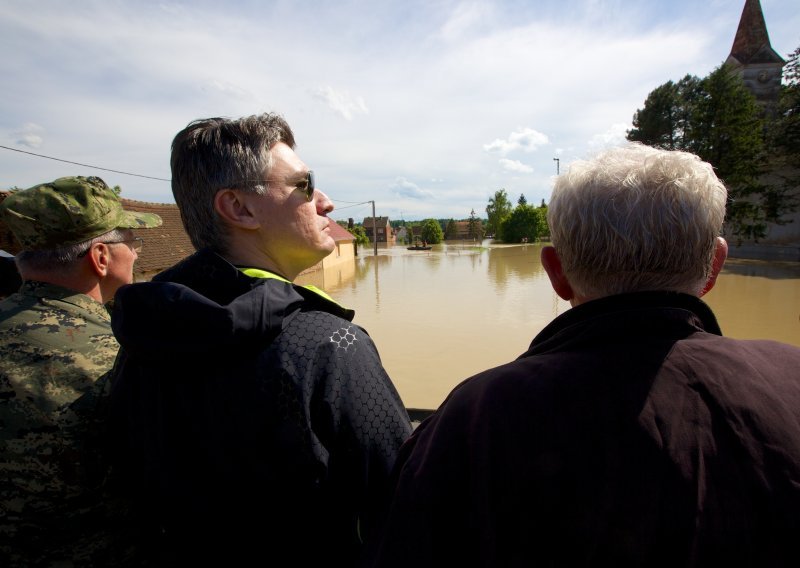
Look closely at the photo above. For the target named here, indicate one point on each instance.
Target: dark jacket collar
(210, 275)
(668, 314)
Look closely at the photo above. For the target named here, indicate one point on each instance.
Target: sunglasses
(306, 185)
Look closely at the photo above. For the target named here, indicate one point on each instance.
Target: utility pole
(558, 163)
(374, 228)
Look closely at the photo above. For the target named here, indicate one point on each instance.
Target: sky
(424, 107)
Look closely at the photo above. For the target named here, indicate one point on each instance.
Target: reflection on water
(443, 315)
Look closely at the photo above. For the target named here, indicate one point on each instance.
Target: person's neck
(87, 286)
(246, 256)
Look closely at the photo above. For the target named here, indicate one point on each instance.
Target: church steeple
(752, 56)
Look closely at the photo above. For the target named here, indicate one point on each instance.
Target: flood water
(440, 316)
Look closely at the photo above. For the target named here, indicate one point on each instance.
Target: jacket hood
(204, 302)
(163, 319)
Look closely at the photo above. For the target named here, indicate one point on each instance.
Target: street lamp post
(558, 163)
(374, 229)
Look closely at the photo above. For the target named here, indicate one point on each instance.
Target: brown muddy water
(440, 316)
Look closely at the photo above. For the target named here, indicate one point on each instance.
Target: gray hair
(217, 153)
(637, 218)
(61, 258)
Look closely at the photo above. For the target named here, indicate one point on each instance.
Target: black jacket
(629, 434)
(250, 418)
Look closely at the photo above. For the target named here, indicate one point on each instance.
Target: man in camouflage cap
(55, 343)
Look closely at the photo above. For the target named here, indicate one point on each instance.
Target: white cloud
(525, 139)
(405, 188)
(464, 18)
(515, 166)
(341, 102)
(229, 89)
(614, 136)
(29, 135)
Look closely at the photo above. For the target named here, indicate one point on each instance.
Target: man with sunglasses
(254, 421)
(55, 344)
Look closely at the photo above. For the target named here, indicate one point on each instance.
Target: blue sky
(426, 107)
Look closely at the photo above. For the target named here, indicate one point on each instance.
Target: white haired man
(631, 433)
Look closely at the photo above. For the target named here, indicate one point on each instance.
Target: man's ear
(720, 254)
(235, 208)
(559, 282)
(98, 259)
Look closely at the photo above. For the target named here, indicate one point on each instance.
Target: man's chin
(324, 249)
(329, 245)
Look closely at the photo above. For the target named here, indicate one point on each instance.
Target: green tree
(357, 231)
(655, 124)
(544, 228)
(786, 128)
(524, 224)
(450, 230)
(666, 115)
(472, 231)
(727, 131)
(498, 209)
(431, 231)
(522, 200)
(410, 232)
(360, 234)
(783, 140)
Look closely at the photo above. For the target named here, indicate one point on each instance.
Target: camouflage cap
(66, 211)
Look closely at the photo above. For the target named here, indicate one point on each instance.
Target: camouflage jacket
(54, 346)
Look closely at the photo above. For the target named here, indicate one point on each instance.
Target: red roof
(339, 233)
(164, 246)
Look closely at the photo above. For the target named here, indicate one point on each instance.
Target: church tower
(753, 58)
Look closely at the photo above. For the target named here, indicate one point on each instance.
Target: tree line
(515, 224)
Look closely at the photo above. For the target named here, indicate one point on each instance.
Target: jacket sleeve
(359, 418)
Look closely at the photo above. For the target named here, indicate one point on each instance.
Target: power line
(352, 203)
(84, 165)
(355, 202)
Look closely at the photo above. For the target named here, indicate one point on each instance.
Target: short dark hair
(216, 153)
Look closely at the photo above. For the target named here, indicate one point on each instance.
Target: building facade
(385, 234)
